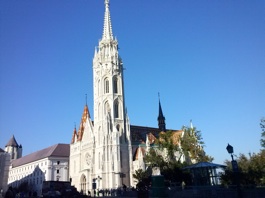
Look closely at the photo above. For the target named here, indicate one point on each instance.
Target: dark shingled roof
(1, 150)
(12, 142)
(57, 150)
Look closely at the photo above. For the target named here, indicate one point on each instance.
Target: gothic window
(118, 127)
(115, 85)
(116, 110)
(83, 183)
(106, 86)
(107, 108)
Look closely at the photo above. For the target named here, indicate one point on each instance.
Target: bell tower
(111, 124)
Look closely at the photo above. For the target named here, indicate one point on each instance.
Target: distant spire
(161, 119)
(86, 99)
(107, 29)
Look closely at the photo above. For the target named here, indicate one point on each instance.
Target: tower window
(115, 85)
(116, 110)
(107, 86)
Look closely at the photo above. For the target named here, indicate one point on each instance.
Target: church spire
(161, 119)
(107, 30)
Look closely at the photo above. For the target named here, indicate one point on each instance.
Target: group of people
(108, 192)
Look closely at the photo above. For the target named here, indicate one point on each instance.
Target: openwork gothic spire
(107, 31)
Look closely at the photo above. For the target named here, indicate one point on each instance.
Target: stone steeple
(111, 124)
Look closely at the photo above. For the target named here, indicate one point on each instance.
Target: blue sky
(206, 58)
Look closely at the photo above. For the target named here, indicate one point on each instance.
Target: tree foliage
(251, 170)
(154, 158)
(192, 145)
(262, 126)
(141, 175)
(168, 143)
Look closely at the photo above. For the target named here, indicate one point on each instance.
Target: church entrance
(83, 184)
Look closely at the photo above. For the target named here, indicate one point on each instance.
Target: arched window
(106, 86)
(118, 127)
(83, 183)
(116, 110)
(115, 85)
(107, 108)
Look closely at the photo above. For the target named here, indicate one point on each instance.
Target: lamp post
(230, 150)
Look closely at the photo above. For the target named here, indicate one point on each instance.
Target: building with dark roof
(49, 164)
(13, 148)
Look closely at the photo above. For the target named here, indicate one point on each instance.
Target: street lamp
(230, 150)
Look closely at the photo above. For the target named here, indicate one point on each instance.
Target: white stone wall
(36, 172)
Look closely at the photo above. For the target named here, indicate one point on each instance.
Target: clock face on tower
(88, 158)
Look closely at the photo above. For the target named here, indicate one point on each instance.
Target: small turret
(13, 148)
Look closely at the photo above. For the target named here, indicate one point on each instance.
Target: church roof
(57, 150)
(140, 151)
(151, 138)
(84, 118)
(12, 142)
(1, 150)
(138, 133)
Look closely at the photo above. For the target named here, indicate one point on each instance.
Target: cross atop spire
(107, 29)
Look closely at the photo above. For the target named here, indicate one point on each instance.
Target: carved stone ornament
(88, 158)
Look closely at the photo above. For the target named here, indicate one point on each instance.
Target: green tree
(153, 158)
(140, 175)
(251, 170)
(192, 145)
(262, 126)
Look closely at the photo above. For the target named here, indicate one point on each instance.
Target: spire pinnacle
(107, 29)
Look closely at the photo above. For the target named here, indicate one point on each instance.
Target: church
(106, 151)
